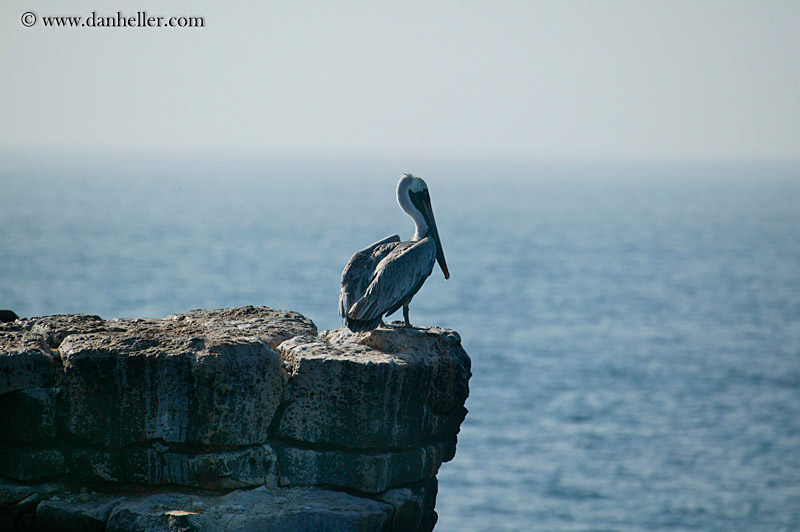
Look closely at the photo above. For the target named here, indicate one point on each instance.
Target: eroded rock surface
(25, 360)
(395, 388)
(151, 383)
(223, 400)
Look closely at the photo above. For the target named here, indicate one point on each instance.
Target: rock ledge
(233, 419)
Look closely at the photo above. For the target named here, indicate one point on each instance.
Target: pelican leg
(405, 316)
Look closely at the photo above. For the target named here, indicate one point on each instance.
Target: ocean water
(634, 332)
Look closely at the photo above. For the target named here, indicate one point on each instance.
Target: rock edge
(250, 402)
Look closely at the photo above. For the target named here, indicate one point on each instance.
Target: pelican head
(413, 197)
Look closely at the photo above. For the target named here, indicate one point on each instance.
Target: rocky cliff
(238, 419)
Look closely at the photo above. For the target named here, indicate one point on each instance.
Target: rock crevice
(251, 403)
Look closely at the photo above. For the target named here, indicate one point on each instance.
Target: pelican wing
(397, 278)
(360, 270)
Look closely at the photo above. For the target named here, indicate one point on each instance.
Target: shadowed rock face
(224, 400)
(394, 388)
(25, 361)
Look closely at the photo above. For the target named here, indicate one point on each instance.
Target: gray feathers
(381, 278)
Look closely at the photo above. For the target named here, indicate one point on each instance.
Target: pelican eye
(418, 185)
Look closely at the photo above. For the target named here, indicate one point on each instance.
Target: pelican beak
(423, 202)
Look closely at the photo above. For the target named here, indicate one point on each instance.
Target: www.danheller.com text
(140, 20)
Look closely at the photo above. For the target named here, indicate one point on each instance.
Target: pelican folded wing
(397, 278)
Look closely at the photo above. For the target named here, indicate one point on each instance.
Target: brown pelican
(383, 277)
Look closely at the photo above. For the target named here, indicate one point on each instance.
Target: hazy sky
(483, 80)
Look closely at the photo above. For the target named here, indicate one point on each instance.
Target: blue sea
(634, 329)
